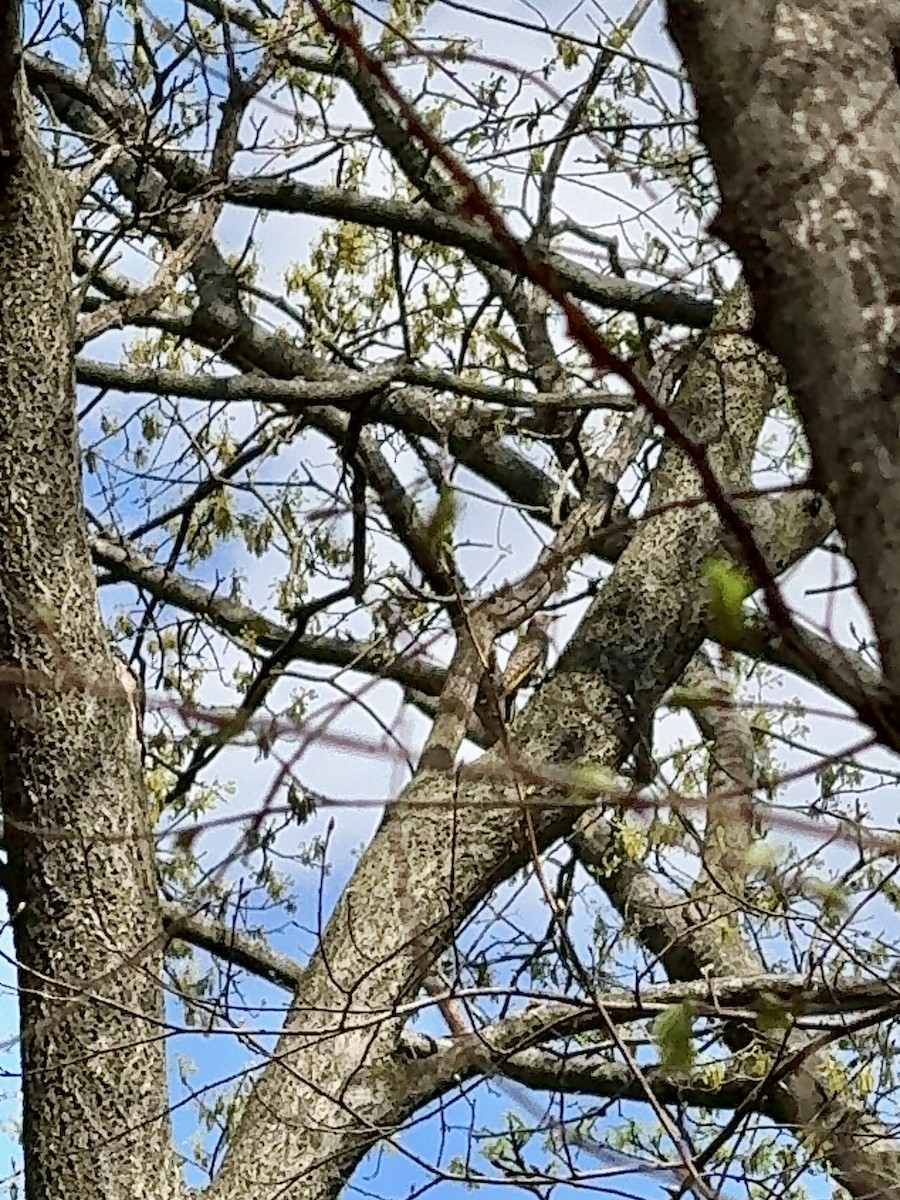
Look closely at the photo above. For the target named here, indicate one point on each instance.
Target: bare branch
(731, 783)
(343, 390)
(863, 1154)
(240, 949)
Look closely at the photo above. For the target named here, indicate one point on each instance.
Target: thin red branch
(529, 263)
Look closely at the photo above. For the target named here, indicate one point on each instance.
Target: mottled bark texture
(701, 936)
(799, 107)
(336, 1081)
(81, 878)
(87, 924)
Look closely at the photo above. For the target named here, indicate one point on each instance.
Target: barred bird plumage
(528, 659)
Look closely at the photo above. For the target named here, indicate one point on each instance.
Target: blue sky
(349, 776)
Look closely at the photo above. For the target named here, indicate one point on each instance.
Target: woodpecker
(529, 656)
(131, 685)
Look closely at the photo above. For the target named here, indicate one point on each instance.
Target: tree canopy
(450, 597)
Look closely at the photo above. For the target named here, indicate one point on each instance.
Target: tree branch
(861, 1150)
(343, 390)
(242, 950)
(246, 625)
(673, 306)
(449, 843)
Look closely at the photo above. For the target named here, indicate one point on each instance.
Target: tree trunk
(81, 880)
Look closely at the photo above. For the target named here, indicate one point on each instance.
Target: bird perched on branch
(528, 658)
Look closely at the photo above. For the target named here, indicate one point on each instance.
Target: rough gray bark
(80, 875)
(442, 848)
(88, 927)
(700, 936)
(799, 107)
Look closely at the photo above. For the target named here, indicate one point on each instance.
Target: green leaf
(763, 855)
(691, 698)
(671, 1030)
(729, 586)
(832, 895)
(595, 777)
(439, 529)
(771, 1013)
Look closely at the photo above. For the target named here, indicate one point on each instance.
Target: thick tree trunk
(80, 875)
(799, 107)
(337, 1081)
